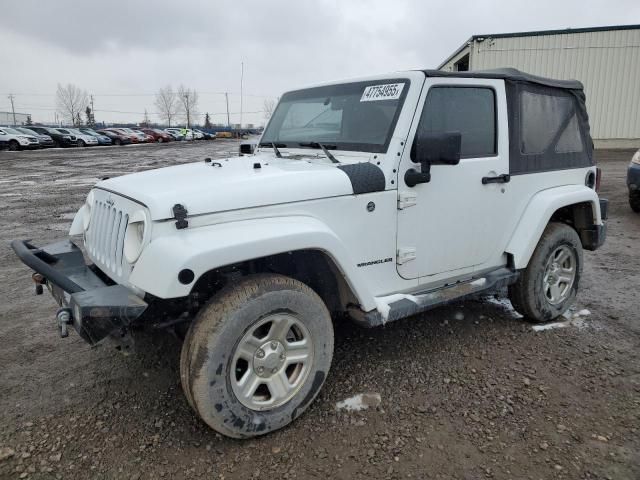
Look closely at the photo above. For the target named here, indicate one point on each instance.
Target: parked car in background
(43, 140)
(59, 139)
(139, 135)
(117, 138)
(16, 140)
(132, 136)
(147, 138)
(82, 139)
(633, 182)
(102, 139)
(204, 135)
(175, 133)
(158, 135)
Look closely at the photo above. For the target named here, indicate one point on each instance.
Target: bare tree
(71, 102)
(269, 106)
(167, 104)
(188, 103)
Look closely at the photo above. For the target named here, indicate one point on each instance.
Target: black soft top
(509, 74)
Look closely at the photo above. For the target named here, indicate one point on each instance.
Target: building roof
(537, 33)
(509, 74)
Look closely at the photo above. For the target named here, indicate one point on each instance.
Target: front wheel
(81, 143)
(548, 286)
(257, 355)
(14, 146)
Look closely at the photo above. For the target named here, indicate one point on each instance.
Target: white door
(454, 227)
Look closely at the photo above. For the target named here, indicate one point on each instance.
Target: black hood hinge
(180, 214)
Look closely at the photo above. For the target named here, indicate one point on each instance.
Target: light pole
(13, 110)
(186, 107)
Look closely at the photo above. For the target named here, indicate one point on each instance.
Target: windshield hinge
(406, 254)
(406, 200)
(180, 214)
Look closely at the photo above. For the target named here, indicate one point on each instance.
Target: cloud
(134, 47)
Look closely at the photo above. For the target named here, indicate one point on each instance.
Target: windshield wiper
(324, 149)
(275, 147)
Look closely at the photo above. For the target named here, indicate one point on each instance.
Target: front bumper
(96, 308)
(633, 178)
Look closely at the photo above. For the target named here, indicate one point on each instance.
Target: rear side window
(548, 122)
(468, 110)
(549, 128)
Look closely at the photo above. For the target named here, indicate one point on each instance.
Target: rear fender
(538, 213)
(206, 248)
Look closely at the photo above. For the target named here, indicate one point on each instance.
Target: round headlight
(134, 236)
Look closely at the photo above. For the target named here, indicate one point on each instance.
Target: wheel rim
(271, 362)
(13, 146)
(559, 275)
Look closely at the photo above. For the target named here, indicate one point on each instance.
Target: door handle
(504, 178)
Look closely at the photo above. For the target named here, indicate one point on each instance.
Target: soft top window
(545, 119)
(549, 128)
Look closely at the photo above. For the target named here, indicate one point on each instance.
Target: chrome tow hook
(64, 318)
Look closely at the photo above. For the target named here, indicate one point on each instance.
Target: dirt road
(468, 391)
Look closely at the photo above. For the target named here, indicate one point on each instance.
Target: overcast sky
(123, 51)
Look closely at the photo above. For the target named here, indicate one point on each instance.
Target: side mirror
(430, 148)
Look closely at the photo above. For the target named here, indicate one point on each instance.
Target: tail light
(598, 179)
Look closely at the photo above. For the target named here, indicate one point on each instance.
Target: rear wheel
(257, 355)
(634, 201)
(14, 146)
(117, 141)
(548, 286)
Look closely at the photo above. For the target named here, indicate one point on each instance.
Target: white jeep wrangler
(380, 198)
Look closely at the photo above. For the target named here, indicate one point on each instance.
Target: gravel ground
(474, 392)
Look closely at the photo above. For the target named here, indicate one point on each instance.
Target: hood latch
(180, 214)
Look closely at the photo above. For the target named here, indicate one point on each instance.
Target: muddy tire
(548, 286)
(257, 355)
(634, 202)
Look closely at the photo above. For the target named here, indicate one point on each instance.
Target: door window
(468, 110)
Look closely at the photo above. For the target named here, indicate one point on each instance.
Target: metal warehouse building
(605, 59)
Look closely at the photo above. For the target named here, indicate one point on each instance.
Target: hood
(234, 183)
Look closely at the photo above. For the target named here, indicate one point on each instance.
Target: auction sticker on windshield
(389, 91)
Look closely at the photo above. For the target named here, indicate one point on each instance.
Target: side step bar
(411, 304)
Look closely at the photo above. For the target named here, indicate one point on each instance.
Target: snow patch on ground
(571, 319)
(362, 401)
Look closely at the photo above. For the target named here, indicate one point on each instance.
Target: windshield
(353, 116)
(12, 131)
(26, 131)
